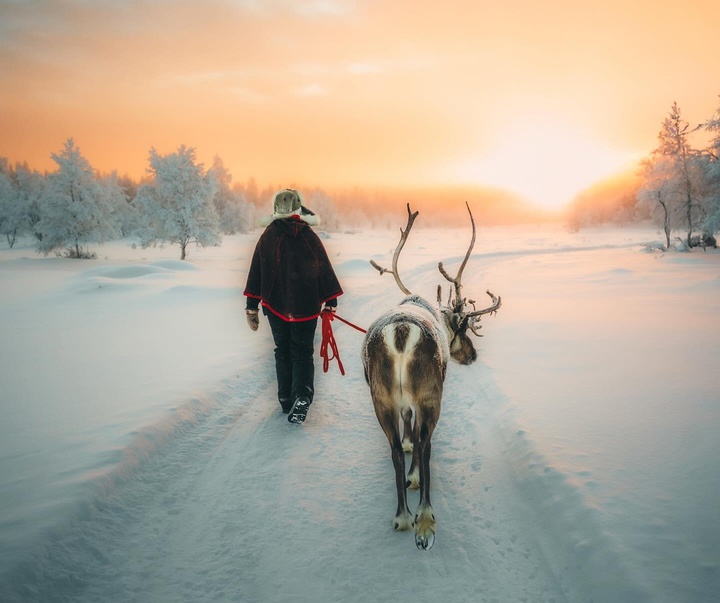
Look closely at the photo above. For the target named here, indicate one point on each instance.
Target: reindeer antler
(457, 281)
(398, 249)
(494, 307)
(473, 317)
(457, 305)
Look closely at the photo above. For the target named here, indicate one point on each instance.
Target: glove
(332, 309)
(253, 319)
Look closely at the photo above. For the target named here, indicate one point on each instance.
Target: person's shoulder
(270, 233)
(310, 233)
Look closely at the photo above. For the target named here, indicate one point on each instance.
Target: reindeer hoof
(403, 522)
(425, 529)
(425, 542)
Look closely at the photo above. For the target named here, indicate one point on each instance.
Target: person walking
(292, 278)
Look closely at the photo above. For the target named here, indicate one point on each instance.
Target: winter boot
(299, 410)
(285, 404)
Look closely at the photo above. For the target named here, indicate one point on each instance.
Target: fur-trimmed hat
(287, 203)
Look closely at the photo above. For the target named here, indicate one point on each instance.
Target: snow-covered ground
(143, 456)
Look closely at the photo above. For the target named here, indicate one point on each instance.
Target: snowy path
(245, 507)
(231, 503)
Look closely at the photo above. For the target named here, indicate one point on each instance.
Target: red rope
(328, 340)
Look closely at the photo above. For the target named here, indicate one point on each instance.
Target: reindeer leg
(413, 478)
(425, 518)
(403, 519)
(407, 441)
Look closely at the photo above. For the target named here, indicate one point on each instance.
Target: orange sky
(538, 97)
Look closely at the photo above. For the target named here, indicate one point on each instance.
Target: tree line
(67, 210)
(677, 186)
(180, 202)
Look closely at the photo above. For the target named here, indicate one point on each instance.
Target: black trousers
(293, 358)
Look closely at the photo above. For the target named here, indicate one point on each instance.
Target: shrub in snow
(703, 240)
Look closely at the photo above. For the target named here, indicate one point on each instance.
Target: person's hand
(332, 309)
(253, 319)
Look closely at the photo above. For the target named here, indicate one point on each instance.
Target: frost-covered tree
(123, 214)
(252, 193)
(657, 192)
(711, 224)
(322, 204)
(129, 186)
(12, 216)
(234, 214)
(75, 209)
(31, 186)
(177, 205)
(684, 169)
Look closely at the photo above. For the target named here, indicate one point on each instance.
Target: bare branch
(403, 237)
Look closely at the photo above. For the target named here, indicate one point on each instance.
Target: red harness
(328, 340)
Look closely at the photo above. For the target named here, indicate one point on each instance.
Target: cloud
(251, 97)
(330, 8)
(364, 68)
(311, 70)
(303, 8)
(226, 81)
(311, 90)
(22, 23)
(190, 79)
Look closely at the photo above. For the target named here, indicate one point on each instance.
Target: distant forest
(181, 201)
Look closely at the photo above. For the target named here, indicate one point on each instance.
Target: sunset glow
(545, 161)
(538, 98)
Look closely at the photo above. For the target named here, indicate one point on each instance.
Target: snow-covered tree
(123, 214)
(684, 169)
(252, 191)
(711, 224)
(129, 186)
(75, 209)
(31, 186)
(234, 214)
(657, 193)
(177, 205)
(322, 204)
(12, 216)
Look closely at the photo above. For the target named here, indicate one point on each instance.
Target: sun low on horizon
(540, 99)
(544, 160)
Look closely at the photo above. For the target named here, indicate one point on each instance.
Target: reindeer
(405, 355)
